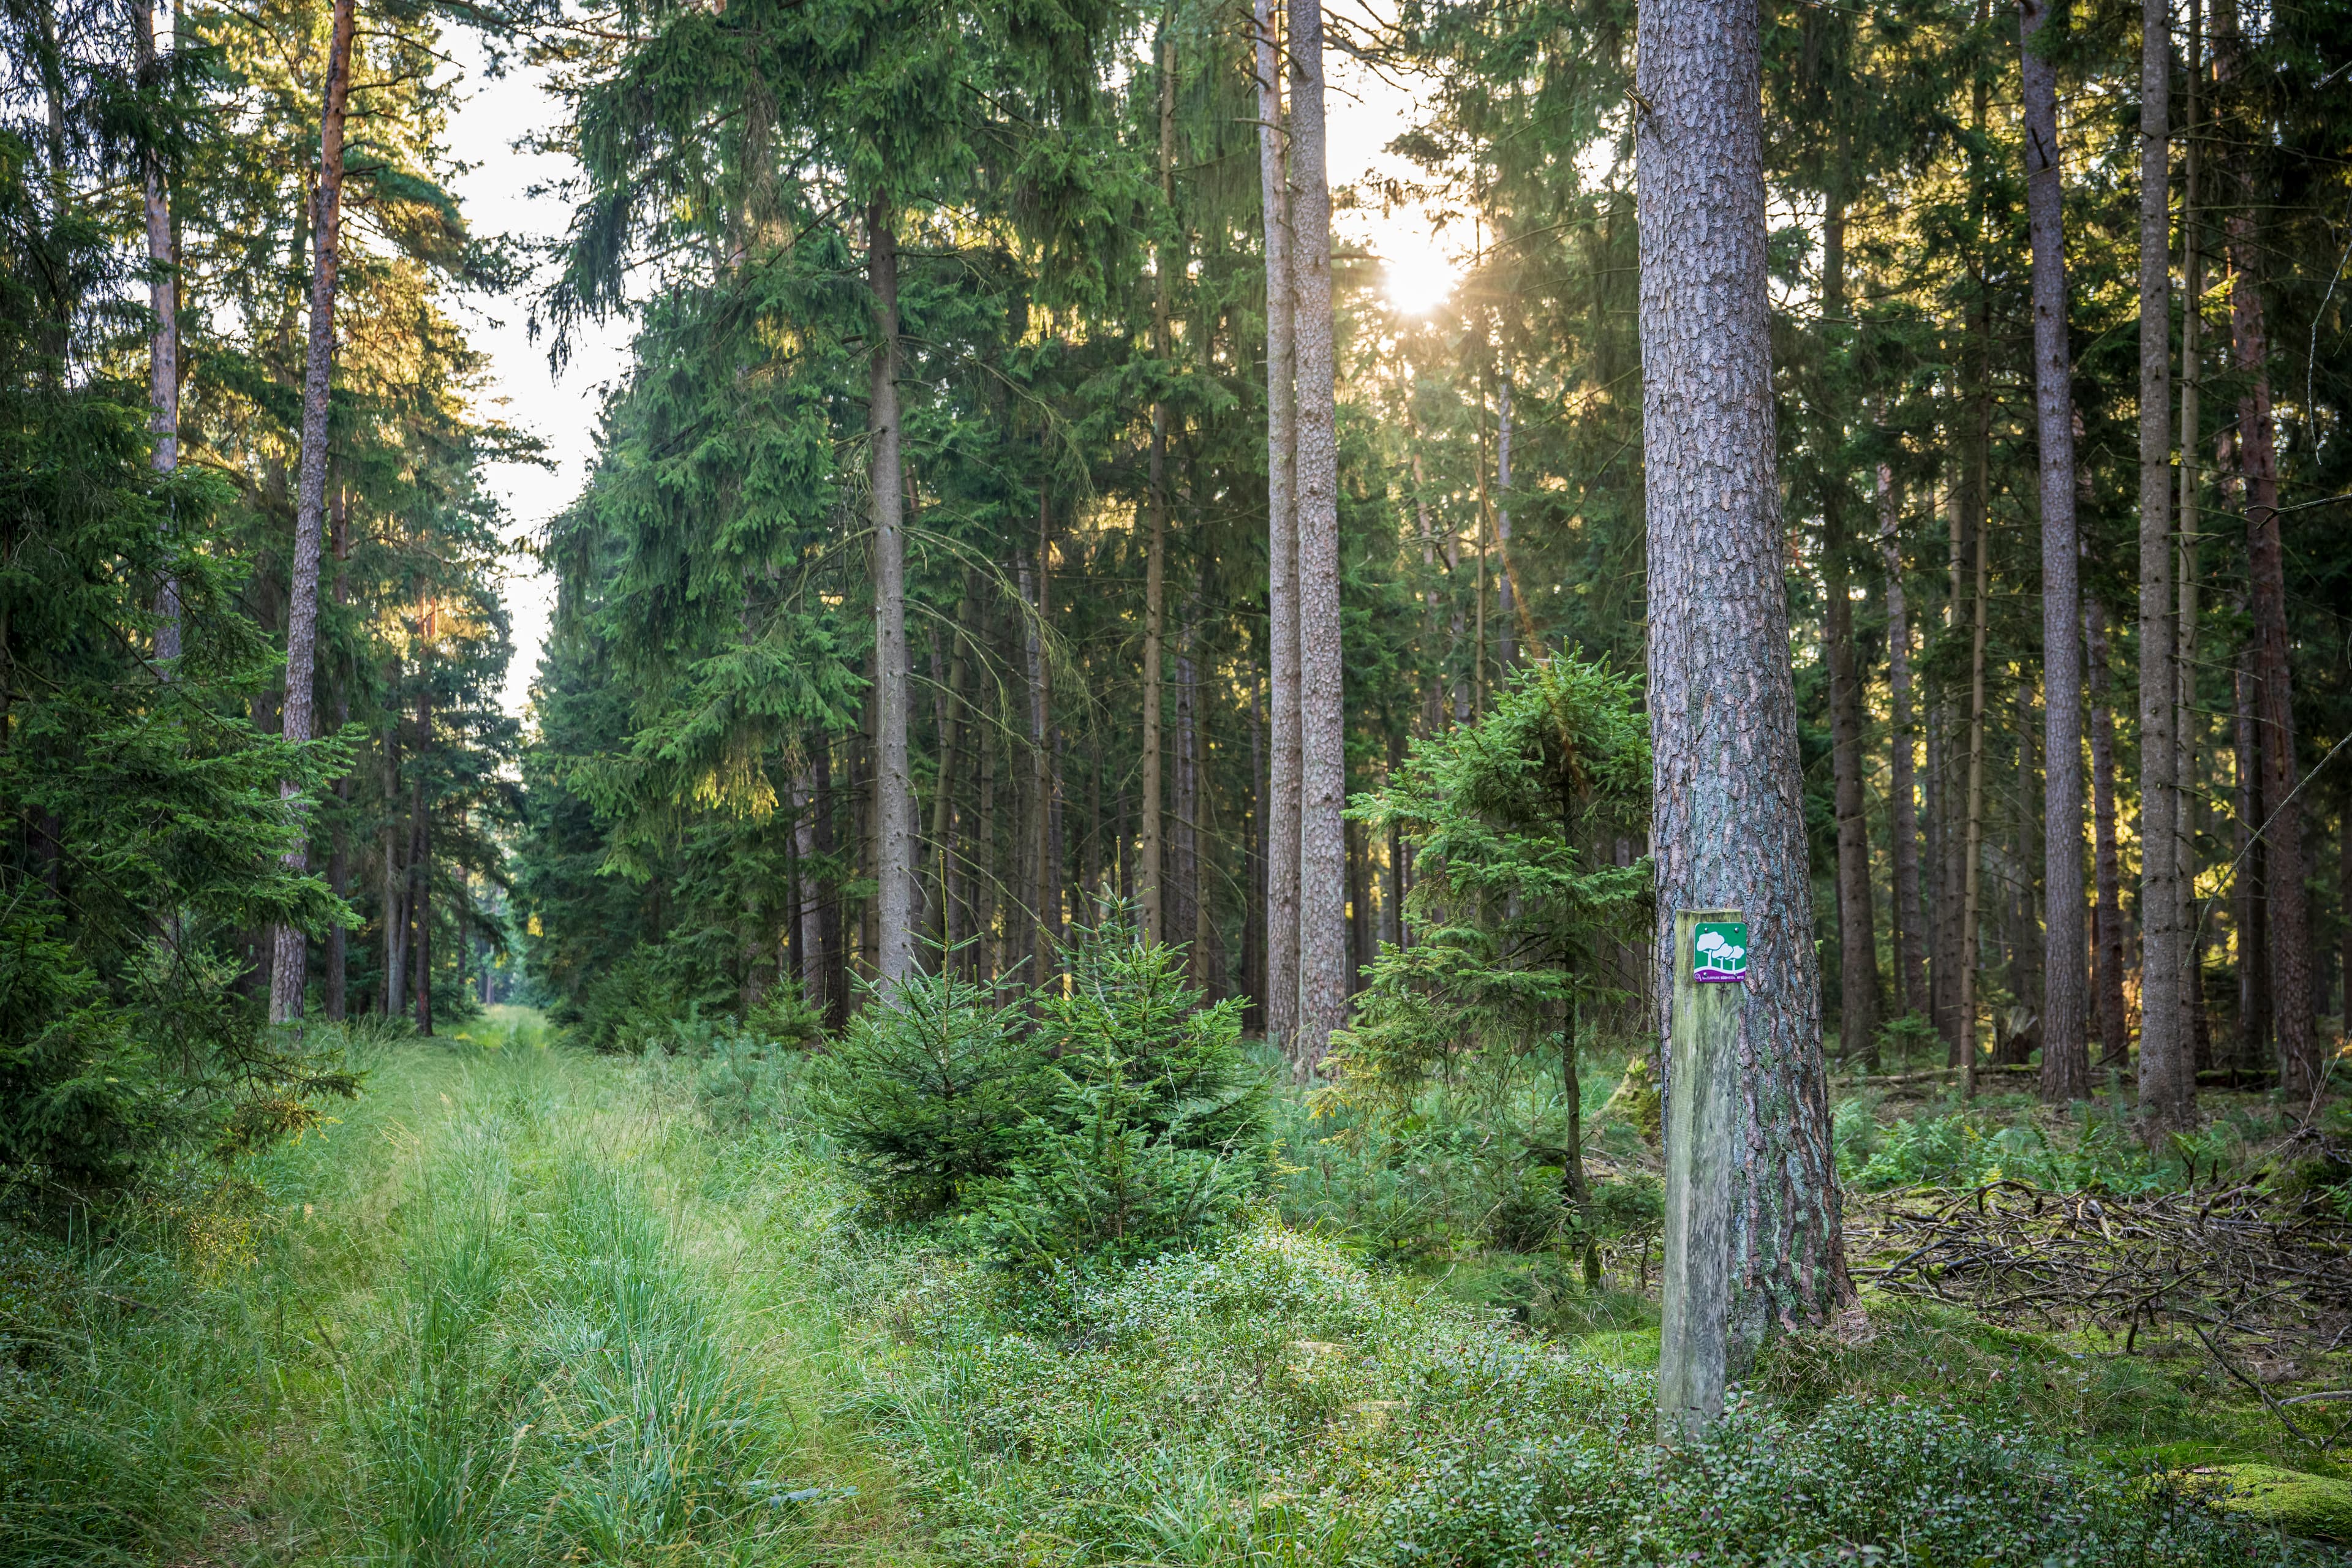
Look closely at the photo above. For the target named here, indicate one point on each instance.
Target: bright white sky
(1364, 114)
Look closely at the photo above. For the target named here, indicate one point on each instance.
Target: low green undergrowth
(524, 1306)
(2091, 1147)
(1273, 1401)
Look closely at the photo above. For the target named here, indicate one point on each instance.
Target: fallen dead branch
(2257, 1281)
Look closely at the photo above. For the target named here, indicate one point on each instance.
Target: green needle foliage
(925, 1092)
(1099, 1117)
(1514, 900)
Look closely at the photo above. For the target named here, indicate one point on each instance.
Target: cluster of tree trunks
(2082, 963)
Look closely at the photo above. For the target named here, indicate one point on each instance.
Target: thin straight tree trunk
(1964, 836)
(2108, 913)
(1283, 762)
(1726, 792)
(1951, 831)
(1506, 648)
(419, 901)
(1857, 933)
(2253, 876)
(1184, 829)
(2289, 914)
(894, 836)
(1359, 905)
(831, 953)
(951, 726)
(2164, 1088)
(1910, 952)
(395, 881)
(1478, 597)
(164, 343)
(987, 955)
(291, 965)
(1972, 838)
(1322, 722)
(1034, 945)
(2065, 1057)
(1433, 700)
(1253, 911)
(1150, 852)
(806, 804)
(339, 856)
(2192, 1044)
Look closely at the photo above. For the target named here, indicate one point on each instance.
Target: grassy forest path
(518, 1307)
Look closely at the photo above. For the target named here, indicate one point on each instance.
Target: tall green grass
(499, 1315)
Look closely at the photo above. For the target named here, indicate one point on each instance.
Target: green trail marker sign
(1718, 954)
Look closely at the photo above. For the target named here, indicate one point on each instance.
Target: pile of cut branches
(2264, 1285)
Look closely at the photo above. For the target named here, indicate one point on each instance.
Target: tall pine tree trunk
(894, 828)
(807, 893)
(1910, 953)
(1857, 933)
(2065, 1057)
(2288, 915)
(1951, 833)
(290, 964)
(2191, 1045)
(1973, 830)
(164, 343)
(1282, 810)
(1727, 792)
(1505, 649)
(1151, 854)
(951, 726)
(1322, 722)
(2253, 860)
(339, 856)
(2164, 1086)
(2107, 913)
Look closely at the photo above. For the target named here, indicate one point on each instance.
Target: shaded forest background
(690, 820)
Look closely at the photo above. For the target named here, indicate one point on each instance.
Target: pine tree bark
(1281, 829)
(1505, 647)
(2106, 911)
(2065, 1057)
(396, 885)
(832, 954)
(1972, 833)
(1322, 724)
(420, 850)
(1910, 952)
(2253, 860)
(1726, 792)
(2164, 1085)
(338, 854)
(1149, 852)
(164, 342)
(1951, 833)
(894, 828)
(2191, 1045)
(290, 967)
(1184, 830)
(2288, 915)
(807, 894)
(1857, 933)
(943, 850)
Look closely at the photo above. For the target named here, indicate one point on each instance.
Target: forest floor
(523, 1305)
